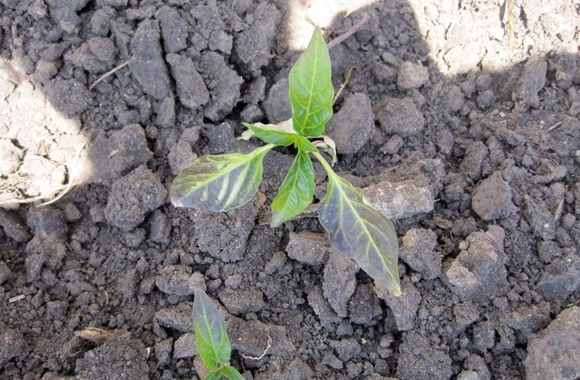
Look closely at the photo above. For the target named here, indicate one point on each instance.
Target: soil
(460, 122)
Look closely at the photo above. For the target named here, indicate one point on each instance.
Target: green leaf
(360, 232)
(211, 335)
(279, 135)
(226, 371)
(214, 375)
(231, 373)
(219, 183)
(296, 192)
(273, 134)
(304, 144)
(311, 91)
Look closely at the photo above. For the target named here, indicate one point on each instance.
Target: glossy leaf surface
(231, 373)
(278, 135)
(311, 91)
(296, 192)
(219, 183)
(360, 232)
(212, 339)
(214, 375)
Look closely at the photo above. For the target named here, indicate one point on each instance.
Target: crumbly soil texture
(459, 122)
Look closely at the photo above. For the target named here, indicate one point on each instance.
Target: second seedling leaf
(296, 192)
(219, 183)
(213, 343)
(361, 232)
(311, 91)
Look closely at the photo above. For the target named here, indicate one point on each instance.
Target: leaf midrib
(342, 197)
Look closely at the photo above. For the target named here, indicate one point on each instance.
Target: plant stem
(321, 159)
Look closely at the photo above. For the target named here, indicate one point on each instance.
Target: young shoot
(223, 182)
(212, 339)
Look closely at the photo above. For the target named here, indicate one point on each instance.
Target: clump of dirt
(461, 126)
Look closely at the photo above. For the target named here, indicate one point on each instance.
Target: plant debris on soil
(461, 124)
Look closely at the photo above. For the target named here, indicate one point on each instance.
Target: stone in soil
(253, 45)
(127, 355)
(399, 116)
(160, 231)
(492, 199)
(478, 274)
(225, 88)
(147, 64)
(277, 104)
(173, 29)
(95, 56)
(68, 96)
(364, 305)
(221, 138)
(179, 280)
(339, 281)
(101, 21)
(48, 246)
(474, 158)
(403, 307)
(308, 247)
(10, 157)
(191, 88)
(555, 352)
(346, 348)
(411, 75)
(322, 308)
(418, 252)
(224, 235)
(133, 197)
(44, 175)
(13, 226)
(117, 155)
(565, 66)
(12, 344)
(181, 154)
(166, 113)
(529, 320)
(185, 346)
(64, 14)
(163, 351)
(465, 314)
(420, 360)
(254, 338)
(295, 370)
(239, 301)
(177, 318)
(560, 279)
(352, 126)
(399, 200)
(540, 218)
(6, 274)
(532, 80)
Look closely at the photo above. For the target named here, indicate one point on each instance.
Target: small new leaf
(296, 192)
(214, 375)
(231, 373)
(219, 183)
(278, 134)
(213, 343)
(225, 371)
(311, 91)
(360, 232)
(272, 134)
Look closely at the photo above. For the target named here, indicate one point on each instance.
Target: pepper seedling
(212, 339)
(226, 181)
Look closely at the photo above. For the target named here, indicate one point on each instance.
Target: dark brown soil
(471, 147)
